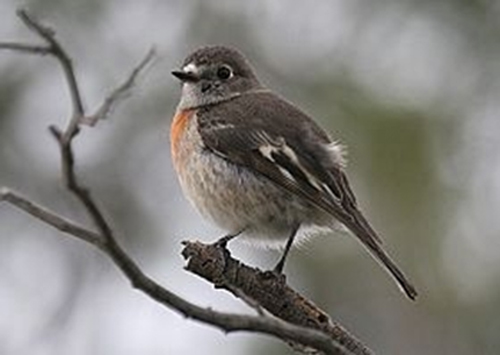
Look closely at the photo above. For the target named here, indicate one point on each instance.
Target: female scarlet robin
(257, 165)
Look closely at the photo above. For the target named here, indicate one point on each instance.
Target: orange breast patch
(177, 129)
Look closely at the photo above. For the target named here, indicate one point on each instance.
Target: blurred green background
(411, 87)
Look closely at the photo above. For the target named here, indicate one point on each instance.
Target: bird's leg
(222, 242)
(281, 263)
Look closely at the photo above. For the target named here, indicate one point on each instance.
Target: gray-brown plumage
(256, 164)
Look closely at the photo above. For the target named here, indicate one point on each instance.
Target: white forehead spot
(190, 68)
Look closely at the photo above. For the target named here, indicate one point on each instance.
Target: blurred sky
(411, 87)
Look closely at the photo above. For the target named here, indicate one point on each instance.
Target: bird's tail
(369, 238)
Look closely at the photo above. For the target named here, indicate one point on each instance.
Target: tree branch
(225, 321)
(316, 332)
(121, 92)
(55, 49)
(49, 217)
(266, 288)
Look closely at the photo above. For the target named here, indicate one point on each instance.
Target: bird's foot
(278, 269)
(222, 242)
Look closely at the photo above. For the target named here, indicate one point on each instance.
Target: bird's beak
(186, 76)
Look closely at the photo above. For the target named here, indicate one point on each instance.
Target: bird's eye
(224, 72)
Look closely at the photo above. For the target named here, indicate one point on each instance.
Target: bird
(258, 166)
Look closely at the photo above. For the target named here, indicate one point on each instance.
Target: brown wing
(273, 138)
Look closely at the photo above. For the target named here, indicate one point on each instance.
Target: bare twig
(120, 93)
(104, 239)
(26, 48)
(56, 50)
(49, 217)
